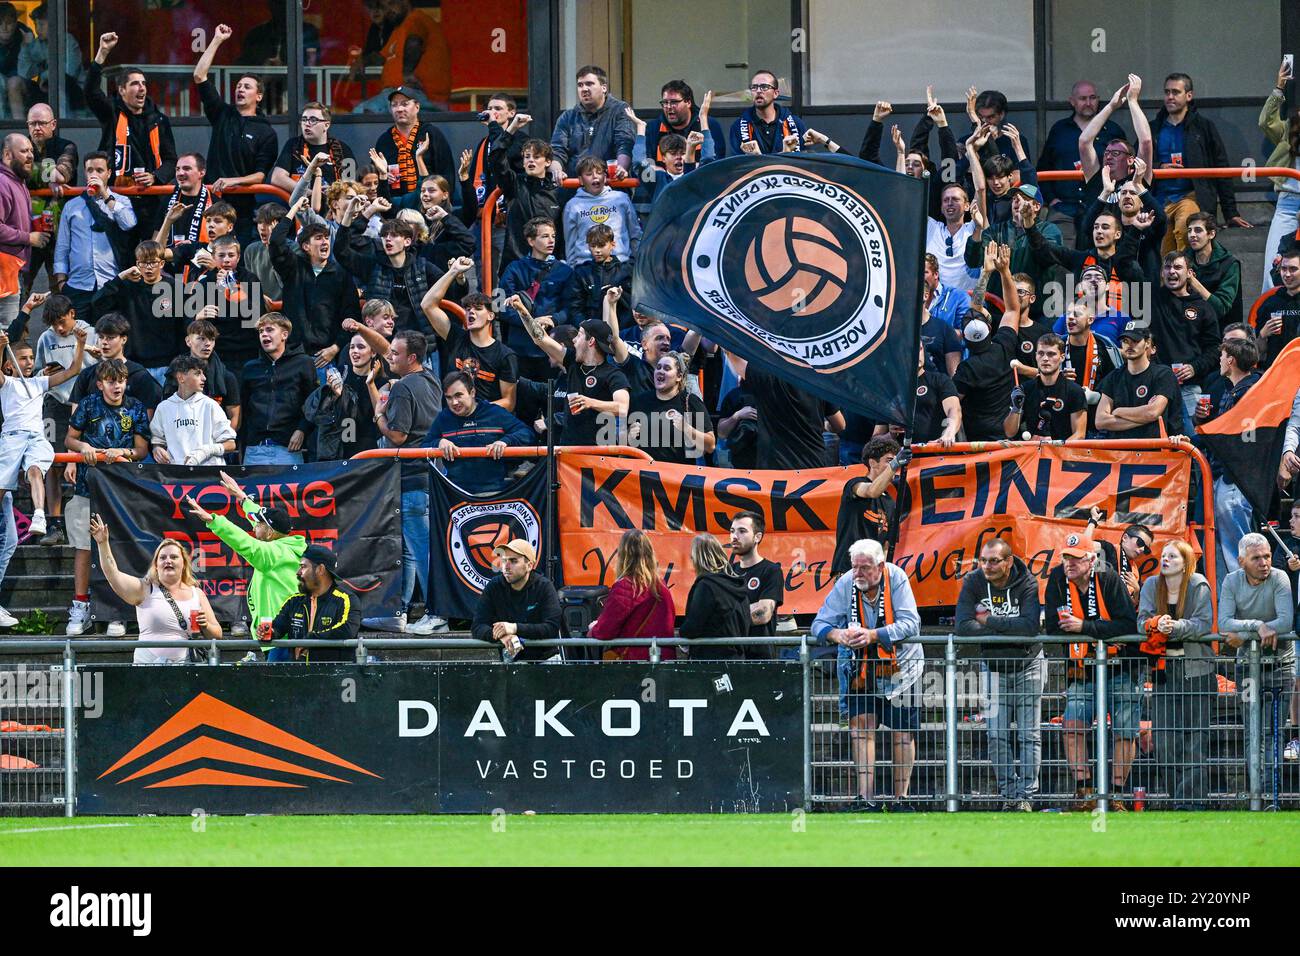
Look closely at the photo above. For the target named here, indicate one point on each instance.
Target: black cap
(401, 91)
(319, 554)
(277, 518)
(598, 329)
(1136, 330)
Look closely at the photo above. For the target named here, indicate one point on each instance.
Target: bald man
(54, 166)
(1061, 149)
(16, 236)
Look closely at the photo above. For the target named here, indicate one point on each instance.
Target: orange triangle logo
(207, 711)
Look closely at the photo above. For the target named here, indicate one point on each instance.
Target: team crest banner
(464, 531)
(808, 266)
(1034, 496)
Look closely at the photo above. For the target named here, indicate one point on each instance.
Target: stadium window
(161, 38)
(467, 50)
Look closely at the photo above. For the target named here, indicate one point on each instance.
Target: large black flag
(808, 266)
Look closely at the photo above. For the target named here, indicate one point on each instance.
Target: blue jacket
(551, 278)
(656, 128)
(489, 423)
(834, 612)
(743, 129)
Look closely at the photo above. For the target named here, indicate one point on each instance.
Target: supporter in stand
(597, 126)
(322, 610)
(717, 605)
(638, 605)
(519, 605)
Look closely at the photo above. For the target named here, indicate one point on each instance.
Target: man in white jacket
(189, 428)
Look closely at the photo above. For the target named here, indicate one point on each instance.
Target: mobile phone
(1288, 61)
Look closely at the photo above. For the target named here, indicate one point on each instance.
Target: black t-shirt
(1089, 370)
(984, 382)
(1048, 408)
(297, 153)
(1027, 337)
(598, 382)
(763, 581)
(656, 431)
(489, 364)
(240, 144)
(789, 422)
(860, 518)
(640, 375)
(742, 443)
(931, 389)
(939, 338)
(1127, 391)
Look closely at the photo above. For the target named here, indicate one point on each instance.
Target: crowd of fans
(212, 326)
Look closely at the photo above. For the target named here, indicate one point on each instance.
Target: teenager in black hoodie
(718, 603)
(984, 379)
(1000, 598)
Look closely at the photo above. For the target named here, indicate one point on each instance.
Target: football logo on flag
(476, 529)
(799, 263)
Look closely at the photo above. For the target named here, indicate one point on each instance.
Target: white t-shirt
(182, 425)
(52, 347)
(952, 265)
(21, 401)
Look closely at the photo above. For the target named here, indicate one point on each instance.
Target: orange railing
(264, 189)
(1198, 172)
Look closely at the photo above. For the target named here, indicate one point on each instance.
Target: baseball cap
(599, 331)
(1077, 546)
(1135, 330)
(401, 91)
(319, 554)
(276, 518)
(1030, 191)
(976, 330)
(520, 547)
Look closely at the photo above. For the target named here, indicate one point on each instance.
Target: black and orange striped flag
(1247, 439)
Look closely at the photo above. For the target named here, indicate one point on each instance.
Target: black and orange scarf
(408, 177)
(886, 659)
(1091, 607)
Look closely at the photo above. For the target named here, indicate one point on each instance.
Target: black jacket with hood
(1016, 611)
(717, 606)
(1203, 147)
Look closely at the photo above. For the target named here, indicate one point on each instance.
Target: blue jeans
(1232, 522)
(1284, 224)
(8, 532)
(415, 545)
(1190, 395)
(271, 455)
(1016, 696)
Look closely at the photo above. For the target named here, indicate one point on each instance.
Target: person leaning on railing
(169, 604)
(638, 605)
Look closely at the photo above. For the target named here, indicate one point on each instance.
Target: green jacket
(1274, 127)
(274, 563)
(1022, 257)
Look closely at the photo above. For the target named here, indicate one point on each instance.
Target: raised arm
(219, 36)
(129, 588)
(553, 349)
(438, 291)
(1141, 128)
(609, 312)
(61, 376)
(1087, 151)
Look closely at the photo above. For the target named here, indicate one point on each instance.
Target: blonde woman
(718, 604)
(1175, 606)
(167, 600)
(638, 605)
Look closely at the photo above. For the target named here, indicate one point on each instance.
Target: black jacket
(272, 396)
(337, 619)
(1113, 598)
(1287, 306)
(329, 413)
(535, 608)
(315, 304)
(584, 294)
(369, 265)
(155, 339)
(238, 310)
(717, 606)
(1202, 147)
(138, 127)
(526, 196)
(1016, 611)
(1185, 330)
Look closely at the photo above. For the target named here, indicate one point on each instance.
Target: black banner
(810, 266)
(444, 738)
(464, 530)
(349, 506)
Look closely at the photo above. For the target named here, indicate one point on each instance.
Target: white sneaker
(7, 619)
(116, 629)
(78, 618)
(396, 624)
(37, 526)
(1292, 751)
(429, 624)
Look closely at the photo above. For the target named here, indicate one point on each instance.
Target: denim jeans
(1232, 522)
(415, 545)
(1190, 393)
(1016, 696)
(9, 307)
(8, 532)
(1285, 222)
(271, 455)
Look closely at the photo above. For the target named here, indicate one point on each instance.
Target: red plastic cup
(194, 621)
(1139, 799)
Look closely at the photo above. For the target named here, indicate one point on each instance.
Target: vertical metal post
(805, 662)
(1254, 715)
(950, 724)
(654, 651)
(69, 730)
(1102, 776)
(214, 657)
(361, 649)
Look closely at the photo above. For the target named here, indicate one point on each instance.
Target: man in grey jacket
(597, 125)
(1000, 598)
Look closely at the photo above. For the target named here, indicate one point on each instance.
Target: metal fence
(973, 726)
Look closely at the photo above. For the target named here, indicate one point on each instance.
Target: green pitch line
(971, 839)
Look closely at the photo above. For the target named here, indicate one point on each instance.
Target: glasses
(1117, 152)
(991, 560)
(1140, 544)
(33, 123)
(760, 87)
(312, 120)
(675, 102)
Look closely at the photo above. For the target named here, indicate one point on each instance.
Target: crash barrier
(1199, 732)
(260, 189)
(1248, 174)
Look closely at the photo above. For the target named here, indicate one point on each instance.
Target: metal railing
(1246, 173)
(262, 189)
(1213, 739)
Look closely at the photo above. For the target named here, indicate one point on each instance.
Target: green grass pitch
(934, 839)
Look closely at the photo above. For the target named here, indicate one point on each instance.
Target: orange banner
(1033, 495)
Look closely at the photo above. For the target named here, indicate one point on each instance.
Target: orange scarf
(886, 658)
(407, 175)
(122, 151)
(1094, 609)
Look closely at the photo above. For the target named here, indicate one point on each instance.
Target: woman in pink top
(168, 602)
(638, 604)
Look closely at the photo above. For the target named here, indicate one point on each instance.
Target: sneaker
(901, 806)
(78, 618)
(56, 537)
(239, 629)
(396, 624)
(1019, 806)
(429, 624)
(116, 629)
(1084, 801)
(7, 619)
(861, 804)
(1292, 751)
(1116, 805)
(37, 525)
